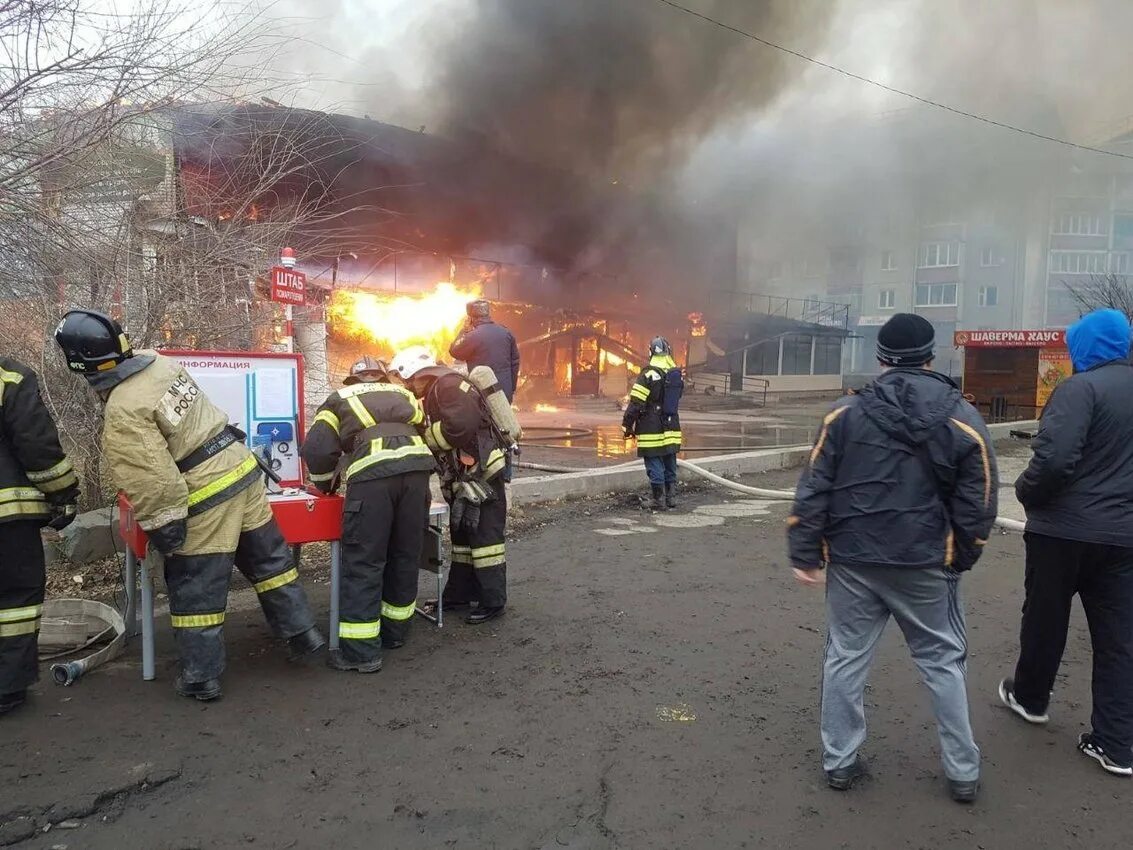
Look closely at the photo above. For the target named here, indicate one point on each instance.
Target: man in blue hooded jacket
(1078, 494)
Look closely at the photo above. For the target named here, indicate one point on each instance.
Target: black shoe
(671, 495)
(12, 701)
(304, 644)
(203, 691)
(964, 792)
(1007, 697)
(338, 662)
(390, 643)
(1089, 748)
(843, 778)
(483, 615)
(658, 502)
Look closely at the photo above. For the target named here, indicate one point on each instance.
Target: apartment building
(965, 255)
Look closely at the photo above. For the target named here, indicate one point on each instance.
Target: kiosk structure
(1011, 374)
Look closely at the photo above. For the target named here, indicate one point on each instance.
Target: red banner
(1009, 339)
(288, 286)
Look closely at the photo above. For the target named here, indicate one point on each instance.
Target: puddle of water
(607, 441)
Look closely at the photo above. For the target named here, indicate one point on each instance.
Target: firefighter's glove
(468, 496)
(62, 515)
(464, 517)
(168, 538)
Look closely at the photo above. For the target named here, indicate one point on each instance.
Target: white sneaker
(1089, 748)
(1007, 697)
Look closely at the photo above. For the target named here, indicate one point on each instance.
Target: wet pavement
(585, 438)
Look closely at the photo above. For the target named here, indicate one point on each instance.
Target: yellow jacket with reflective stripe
(33, 468)
(155, 418)
(375, 426)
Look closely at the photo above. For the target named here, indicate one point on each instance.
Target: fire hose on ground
(1005, 523)
(73, 625)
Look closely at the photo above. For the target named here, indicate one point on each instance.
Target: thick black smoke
(614, 89)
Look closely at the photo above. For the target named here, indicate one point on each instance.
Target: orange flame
(608, 357)
(546, 408)
(396, 321)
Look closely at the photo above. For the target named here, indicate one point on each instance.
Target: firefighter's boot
(10, 702)
(338, 661)
(203, 691)
(658, 503)
(671, 495)
(304, 644)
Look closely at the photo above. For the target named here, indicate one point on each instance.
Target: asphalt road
(654, 684)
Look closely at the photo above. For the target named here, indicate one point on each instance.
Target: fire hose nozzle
(67, 673)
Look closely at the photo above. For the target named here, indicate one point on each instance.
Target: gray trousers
(926, 605)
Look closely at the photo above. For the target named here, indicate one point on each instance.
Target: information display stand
(303, 518)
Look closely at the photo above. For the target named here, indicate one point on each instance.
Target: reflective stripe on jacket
(156, 417)
(376, 426)
(657, 434)
(34, 471)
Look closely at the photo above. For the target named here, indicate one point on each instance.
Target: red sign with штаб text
(1009, 339)
(288, 286)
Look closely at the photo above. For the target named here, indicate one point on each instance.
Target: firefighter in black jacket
(375, 424)
(652, 417)
(37, 487)
(471, 459)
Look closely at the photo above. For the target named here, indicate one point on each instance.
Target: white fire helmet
(412, 360)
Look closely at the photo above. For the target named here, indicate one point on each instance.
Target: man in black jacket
(1078, 494)
(484, 343)
(896, 501)
(38, 487)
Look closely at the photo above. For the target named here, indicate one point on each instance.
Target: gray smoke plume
(667, 124)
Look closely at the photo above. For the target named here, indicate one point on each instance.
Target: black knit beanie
(906, 340)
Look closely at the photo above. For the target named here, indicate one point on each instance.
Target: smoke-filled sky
(613, 85)
(638, 95)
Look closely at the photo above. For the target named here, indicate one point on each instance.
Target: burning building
(397, 230)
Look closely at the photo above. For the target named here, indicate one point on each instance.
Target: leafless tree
(125, 187)
(1102, 290)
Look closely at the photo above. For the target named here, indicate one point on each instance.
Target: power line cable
(907, 94)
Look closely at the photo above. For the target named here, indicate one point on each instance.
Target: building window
(1119, 263)
(827, 355)
(1077, 262)
(796, 354)
(935, 255)
(888, 261)
(1079, 224)
(763, 359)
(989, 257)
(886, 298)
(936, 295)
(989, 296)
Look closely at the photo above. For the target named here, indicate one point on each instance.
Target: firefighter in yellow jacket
(37, 487)
(197, 492)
